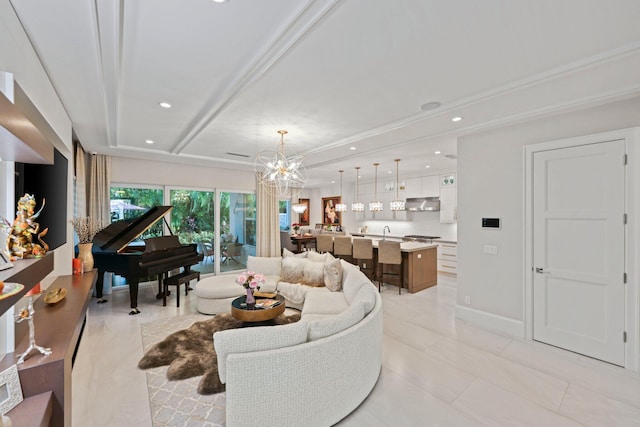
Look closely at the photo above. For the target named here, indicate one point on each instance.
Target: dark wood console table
(58, 326)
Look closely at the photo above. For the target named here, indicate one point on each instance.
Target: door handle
(540, 270)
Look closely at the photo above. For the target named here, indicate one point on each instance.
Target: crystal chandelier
(279, 173)
(376, 205)
(341, 207)
(357, 206)
(397, 204)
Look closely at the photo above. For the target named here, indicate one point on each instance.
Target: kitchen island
(419, 265)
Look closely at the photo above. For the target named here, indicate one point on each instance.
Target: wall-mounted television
(47, 182)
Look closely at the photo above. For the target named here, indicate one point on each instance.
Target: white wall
(491, 184)
(151, 172)
(18, 57)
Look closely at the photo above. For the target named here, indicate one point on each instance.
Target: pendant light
(376, 205)
(397, 204)
(297, 206)
(357, 206)
(341, 207)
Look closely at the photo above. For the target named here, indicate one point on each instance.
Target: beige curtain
(80, 197)
(268, 223)
(99, 183)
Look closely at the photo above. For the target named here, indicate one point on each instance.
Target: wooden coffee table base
(258, 314)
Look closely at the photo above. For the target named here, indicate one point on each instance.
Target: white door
(578, 220)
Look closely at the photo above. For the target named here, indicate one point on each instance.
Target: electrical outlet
(419, 256)
(467, 300)
(364, 265)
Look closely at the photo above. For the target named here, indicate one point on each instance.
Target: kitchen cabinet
(413, 188)
(448, 198)
(448, 258)
(430, 186)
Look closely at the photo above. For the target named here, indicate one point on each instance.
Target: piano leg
(133, 296)
(99, 287)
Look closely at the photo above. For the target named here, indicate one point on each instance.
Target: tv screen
(47, 182)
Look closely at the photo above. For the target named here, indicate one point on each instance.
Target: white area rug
(176, 403)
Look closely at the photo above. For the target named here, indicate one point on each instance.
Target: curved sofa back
(315, 383)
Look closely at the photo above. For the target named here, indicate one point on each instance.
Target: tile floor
(436, 371)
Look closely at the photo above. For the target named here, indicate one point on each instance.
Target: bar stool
(324, 243)
(389, 253)
(363, 254)
(342, 247)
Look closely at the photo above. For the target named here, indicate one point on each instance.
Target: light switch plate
(491, 249)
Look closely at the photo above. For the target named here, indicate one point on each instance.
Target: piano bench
(177, 280)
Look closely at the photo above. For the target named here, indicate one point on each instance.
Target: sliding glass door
(221, 224)
(193, 220)
(237, 229)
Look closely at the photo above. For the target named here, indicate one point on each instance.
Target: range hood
(422, 204)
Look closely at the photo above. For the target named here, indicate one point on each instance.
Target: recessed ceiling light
(352, 148)
(219, 1)
(164, 104)
(427, 166)
(436, 152)
(389, 172)
(149, 141)
(456, 119)
(333, 182)
(430, 106)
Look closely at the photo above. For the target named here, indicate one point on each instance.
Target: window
(285, 214)
(130, 202)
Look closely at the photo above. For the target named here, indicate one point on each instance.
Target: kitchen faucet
(384, 231)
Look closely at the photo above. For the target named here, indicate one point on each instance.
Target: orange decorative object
(34, 291)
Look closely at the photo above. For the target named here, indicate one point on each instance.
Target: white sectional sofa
(313, 372)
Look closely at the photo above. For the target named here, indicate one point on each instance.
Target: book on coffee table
(267, 303)
(264, 294)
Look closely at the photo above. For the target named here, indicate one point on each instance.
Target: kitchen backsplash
(423, 223)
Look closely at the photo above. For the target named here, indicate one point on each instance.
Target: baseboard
(490, 321)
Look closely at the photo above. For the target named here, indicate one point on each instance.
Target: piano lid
(115, 237)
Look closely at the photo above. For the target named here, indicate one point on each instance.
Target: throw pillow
(264, 265)
(317, 257)
(333, 275)
(287, 253)
(313, 273)
(292, 269)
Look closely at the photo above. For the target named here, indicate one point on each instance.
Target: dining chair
(286, 243)
(389, 253)
(206, 249)
(233, 251)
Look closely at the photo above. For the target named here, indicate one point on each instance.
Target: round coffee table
(240, 311)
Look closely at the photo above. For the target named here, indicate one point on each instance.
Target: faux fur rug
(190, 352)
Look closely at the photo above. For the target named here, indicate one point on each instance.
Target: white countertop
(410, 246)
(397, 238)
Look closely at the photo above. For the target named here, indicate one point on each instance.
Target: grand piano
(159, 255)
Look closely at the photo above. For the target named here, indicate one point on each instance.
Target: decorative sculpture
(27, 314)
(20, 235)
